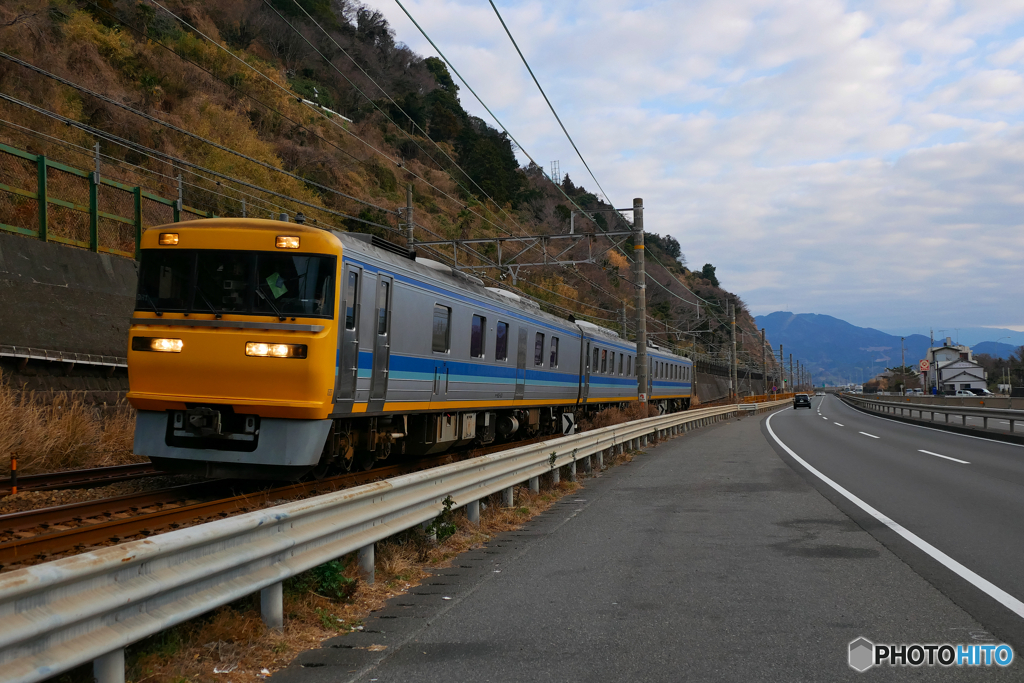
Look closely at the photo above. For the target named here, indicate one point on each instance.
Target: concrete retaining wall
(64, 298)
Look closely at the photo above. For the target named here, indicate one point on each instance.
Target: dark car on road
(801, 400)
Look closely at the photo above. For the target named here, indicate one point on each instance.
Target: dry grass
(615, 416)
(233, 640)
(65, 434)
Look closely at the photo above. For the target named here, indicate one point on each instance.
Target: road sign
(924, 365)
(568, 424)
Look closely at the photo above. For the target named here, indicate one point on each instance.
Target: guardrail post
(534, 484)
(473, 512)
(963, 419)
(556, 476)
(508, 497)
(272, 606)
(984, 423)
(600, 460)
(572, 471)
(366, 558)
(110, 667)
(1011, 426)
(588, 464)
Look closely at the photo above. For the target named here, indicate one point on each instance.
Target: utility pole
(782, 368)
(791, 372)
(903, 365)
(641, 299)
(764, 365)
(411, 240)
(733, 374)
(625, 330)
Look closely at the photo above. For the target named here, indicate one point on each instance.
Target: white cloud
(860, 159)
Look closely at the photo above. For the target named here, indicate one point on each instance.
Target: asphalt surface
(961, 494)
(708, 558)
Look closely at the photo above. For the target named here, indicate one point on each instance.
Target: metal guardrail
(972, 402)
(62, 614)
(29, 353)
(897, 406)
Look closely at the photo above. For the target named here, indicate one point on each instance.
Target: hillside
(335, 117)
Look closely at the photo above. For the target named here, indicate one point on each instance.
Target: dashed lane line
(938, 455)
(871, 435)
(995, 592)
(838, 425)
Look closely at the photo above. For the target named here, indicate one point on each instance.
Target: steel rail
(89, 607)
(68, 479)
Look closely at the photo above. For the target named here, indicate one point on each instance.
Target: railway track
(35, 536)
(71, 479)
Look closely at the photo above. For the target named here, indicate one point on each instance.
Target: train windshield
(243, 282)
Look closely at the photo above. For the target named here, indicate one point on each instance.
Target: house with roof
(956, 367)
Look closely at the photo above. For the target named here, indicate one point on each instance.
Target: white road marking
(933, 429)
(871, 435)
(919, 450)
(823, 417)
(982, 584)
(838, 425)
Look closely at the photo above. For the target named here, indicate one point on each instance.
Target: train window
(554, 352)
(222, 282)
(351, 292)
(604, 360)
(538, 350)
(621, 356)
(442, 318)
(382, 312)
(476, 337)
(164, 280)
(501, 342)
(629, 365)
(597, 355)
(296, 284)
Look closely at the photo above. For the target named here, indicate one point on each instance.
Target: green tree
(708, 273)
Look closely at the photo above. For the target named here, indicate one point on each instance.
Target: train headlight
(168, 239)
(263, 349)
(287, 242)
(157, 344)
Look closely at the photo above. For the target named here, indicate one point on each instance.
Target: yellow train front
(232, 347)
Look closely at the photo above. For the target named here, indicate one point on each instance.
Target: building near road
(956, 367)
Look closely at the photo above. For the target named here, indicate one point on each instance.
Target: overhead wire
(171, 126)
(147, 151)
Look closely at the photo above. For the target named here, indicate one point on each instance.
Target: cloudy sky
(859, 159)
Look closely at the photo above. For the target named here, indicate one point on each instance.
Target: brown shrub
(65, 434)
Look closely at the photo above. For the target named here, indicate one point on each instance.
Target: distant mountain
(973, 335)
(835, 351)
(994, 349)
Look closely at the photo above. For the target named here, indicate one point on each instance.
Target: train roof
(401, 259)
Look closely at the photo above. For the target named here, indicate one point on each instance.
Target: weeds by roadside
(66, 434)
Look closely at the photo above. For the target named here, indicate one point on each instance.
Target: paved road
(961, 494)
(708, 558)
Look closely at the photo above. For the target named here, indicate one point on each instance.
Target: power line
(550, 106)
(194, 136)
(153, 153)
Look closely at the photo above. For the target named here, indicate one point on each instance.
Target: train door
(347, 370)
(586, 373)
(521, 364)
(650, 376)
(381, 343)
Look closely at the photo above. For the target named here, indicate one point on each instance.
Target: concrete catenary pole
(734, 361)
(782, 368)
(764, 365)
(411, 239)
(641, 298)
(791, 372)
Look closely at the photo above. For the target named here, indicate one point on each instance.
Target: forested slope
(187, 87)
